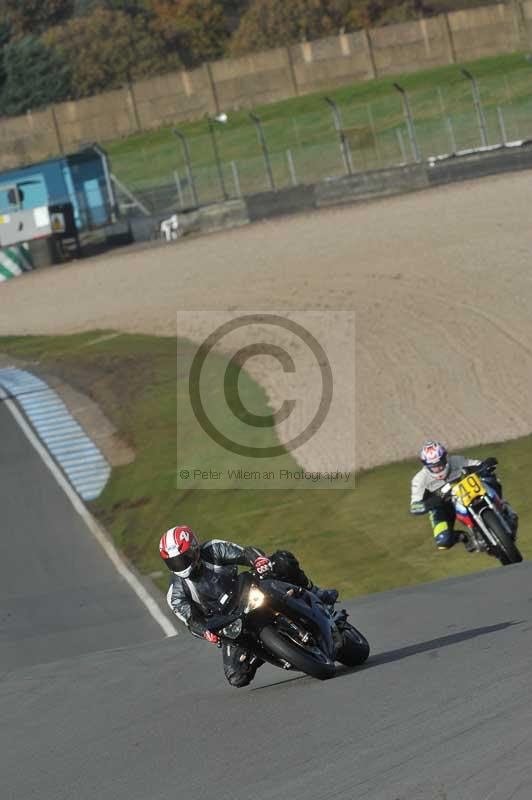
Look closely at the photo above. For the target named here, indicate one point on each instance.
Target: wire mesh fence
(243, 154)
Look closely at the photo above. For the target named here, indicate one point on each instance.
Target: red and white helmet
(180, 550)
(435, 458)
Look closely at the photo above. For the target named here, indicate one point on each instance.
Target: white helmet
(435, 458)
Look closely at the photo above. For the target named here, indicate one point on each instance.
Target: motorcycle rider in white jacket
(439, 468)
(203, 573)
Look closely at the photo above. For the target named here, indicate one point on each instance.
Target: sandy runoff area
(440, 282)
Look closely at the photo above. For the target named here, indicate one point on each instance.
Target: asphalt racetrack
(441, 711)
(60, 595)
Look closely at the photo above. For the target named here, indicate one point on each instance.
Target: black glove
(432, 501)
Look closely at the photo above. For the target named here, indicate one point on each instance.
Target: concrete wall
(94, 118)
(365, 185)
(267, 77)
(29, 138)
(255, 79)
(412, 46)
(171, 98)
(526, 19)
(355, 188)
(330, 62)
(485, 31)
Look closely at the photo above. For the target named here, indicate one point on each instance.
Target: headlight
(255, 599)
(233, 630)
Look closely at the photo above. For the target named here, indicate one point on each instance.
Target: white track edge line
(94, 527)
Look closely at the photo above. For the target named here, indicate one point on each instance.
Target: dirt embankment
(441, 283)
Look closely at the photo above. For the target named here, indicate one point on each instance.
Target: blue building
(82, 179)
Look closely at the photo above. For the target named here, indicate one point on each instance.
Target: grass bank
(361, 540)
(372, 117)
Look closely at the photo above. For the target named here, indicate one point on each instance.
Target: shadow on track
(281, 682)
(425, 647)
(403, 652)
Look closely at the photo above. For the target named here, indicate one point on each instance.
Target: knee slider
(239, 680)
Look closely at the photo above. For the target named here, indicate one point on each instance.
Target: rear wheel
(309, 660)
(508, 552)
(355, 649)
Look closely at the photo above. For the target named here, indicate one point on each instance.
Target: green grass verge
(360, 540)
(372, 116)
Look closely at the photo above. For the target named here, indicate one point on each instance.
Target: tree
(34, 76)
(34, 16)
(197, 30)
(366, 13)
(131, 7)
(271, 23)
(5, 35)
(233, 12)
(107, 49)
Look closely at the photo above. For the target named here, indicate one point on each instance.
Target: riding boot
(286, 567)
(326, 596)
(467, 541)
(240, 665)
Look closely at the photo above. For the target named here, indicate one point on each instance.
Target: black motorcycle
(287, 626)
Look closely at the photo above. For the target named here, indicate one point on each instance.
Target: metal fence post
(260, 133)
(447, 120)
(178, 187)
(409, 123)
(236, 179)
(188, 163)
(291, 167)
(375, 137)
(502, 126)
(346, 155)
(401, 144)
(210, 123)
(478, 106)
(450, 131)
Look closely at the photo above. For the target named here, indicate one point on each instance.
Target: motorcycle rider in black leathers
(203, 573)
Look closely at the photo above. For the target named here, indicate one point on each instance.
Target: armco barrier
(14, 261)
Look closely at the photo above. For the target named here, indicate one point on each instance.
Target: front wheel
(507, 551)
(311, 661)
(355, 648)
